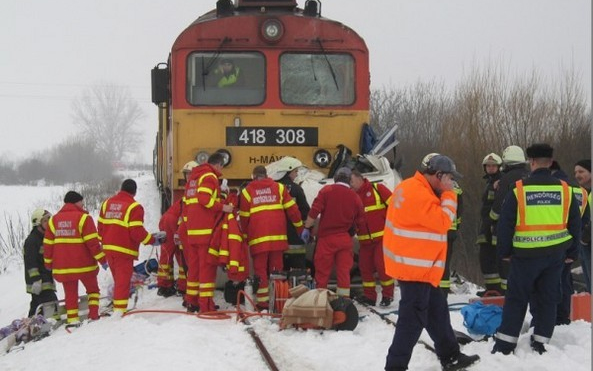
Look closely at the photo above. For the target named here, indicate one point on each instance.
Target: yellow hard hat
(492, 159)
(38, 215)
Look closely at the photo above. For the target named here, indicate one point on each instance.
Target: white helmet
(288, 164)
(278, 169)
(426, 159)
(189, 166)
(492, 159)
(38, 215)
(513, 155)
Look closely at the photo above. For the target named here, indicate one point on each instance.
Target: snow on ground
(180, 342)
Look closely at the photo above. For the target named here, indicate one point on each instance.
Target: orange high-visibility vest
(415, 235)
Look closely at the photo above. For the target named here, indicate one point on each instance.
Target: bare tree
(109, 118)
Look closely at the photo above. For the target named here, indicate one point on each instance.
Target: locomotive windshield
(225, 78)
(317, 79)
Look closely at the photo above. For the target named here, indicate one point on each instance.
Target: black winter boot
(459, 362)
(166, 291)
(385, 302)
(537, 346)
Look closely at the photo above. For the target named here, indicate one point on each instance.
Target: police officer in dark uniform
(539, 226)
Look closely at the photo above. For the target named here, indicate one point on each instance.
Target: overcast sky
(52, 50)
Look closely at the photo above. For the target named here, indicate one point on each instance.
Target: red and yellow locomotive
(257, 81)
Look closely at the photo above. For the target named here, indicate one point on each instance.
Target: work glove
(306, 235)
(105, 266)
(36, 287)
(224, 187)
(159, 237)
(176, 239)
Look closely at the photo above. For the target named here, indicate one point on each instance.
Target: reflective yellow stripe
(368, 284)
(213, 251)
(205, 190)
(267, 238)
(99, 256)
(75, 270)
(257, 209)
(120, 249)
(90, 236)
(198, 232)
(387, 283)
(373, 235)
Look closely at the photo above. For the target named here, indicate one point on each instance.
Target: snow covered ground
(181, 342)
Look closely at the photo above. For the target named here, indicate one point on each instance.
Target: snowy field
(180, 342)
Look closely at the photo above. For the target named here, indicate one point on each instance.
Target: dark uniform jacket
(487, 202)
(508, 221)
(297, 193)
(510, 175)
(34, 266)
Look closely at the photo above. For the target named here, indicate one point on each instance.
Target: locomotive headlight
(322, 158)
(227, 156)
(202, 157)
(272, 30)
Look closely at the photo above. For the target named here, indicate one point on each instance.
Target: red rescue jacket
(71, 246)
(263, 204)
(121, 225)
(375, 198)
(203, 208)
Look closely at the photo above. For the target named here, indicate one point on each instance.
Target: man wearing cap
(71, 249)
(121, 230)
(538, 230)
(513, 160)
(582, 173)
(342, 214)
(39, 280)
(421, 211)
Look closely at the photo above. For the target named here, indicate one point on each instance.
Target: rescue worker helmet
(38, 215)
(288, 164)
(189, 166)
(492, 159)
(426, 160)
(278, 169)
(513, 155)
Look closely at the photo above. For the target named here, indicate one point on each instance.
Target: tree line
(485, 112)
(107, 119)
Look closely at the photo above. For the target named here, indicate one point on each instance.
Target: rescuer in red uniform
(341, 214)
(263, 204)
(71, 250)
(203, 212)
(375, 198)
(121, 230)
(170, 251)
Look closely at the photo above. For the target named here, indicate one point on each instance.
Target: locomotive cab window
(233, 79)
(317, 79)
